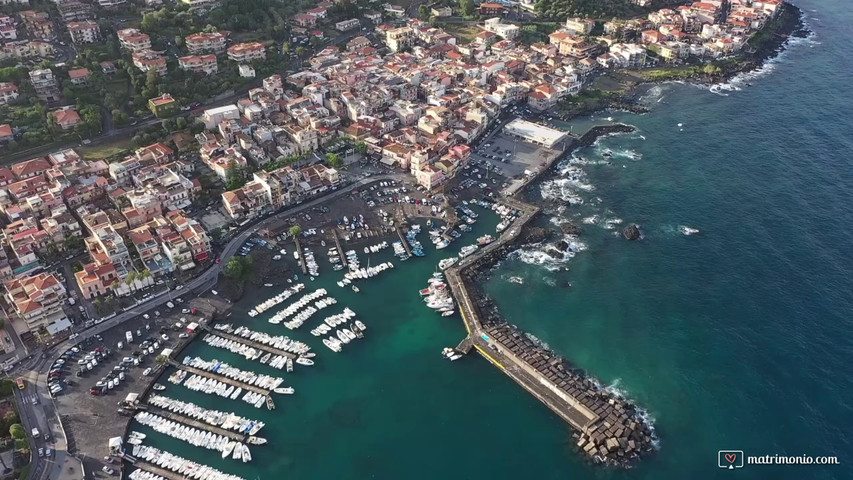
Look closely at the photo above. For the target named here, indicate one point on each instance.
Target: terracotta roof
(30, 167)
(78, 73)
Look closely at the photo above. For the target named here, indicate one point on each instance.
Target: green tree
(17, 432)
(181, 123)
(467, 7)
(169, 125)
(179, 41)
(295, 230)
(334, 160)
(361, 148)
(197, 127)
(423, 12)
(235, 177)
(152, 79)
(300, 50)
(161, 359)
(239, 268)
(285, 47)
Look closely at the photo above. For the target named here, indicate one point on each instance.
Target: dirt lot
(90, 420)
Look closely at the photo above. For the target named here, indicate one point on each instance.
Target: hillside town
(406, 94)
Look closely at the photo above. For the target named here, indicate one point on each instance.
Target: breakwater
(608, 428)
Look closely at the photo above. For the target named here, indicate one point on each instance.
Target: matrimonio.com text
(732, 459)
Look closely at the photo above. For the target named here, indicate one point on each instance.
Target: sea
(729, 322)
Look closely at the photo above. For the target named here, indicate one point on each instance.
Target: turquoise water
(738, 337)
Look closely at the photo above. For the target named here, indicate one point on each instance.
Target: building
(8, 92)
(346, 25)
(214, 116)
(199, 63)
(399, 38)
(535, 133)
(85, 31)
(37, 301)
(491, 9)
(163, 106)
(568, 44)
(441, 11)
(45, 84)
(205, 42)
(147, 60)
(67, 118)
(246, 52)
(246, 71)
(6, 134)
(110, 3)
(306, 21)
(72, 10)
(96, 280)
(134, 40)
(580, 26)
(108, 67)
(78, 76)
(505, 30)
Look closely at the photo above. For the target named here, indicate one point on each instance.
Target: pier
(301, 255)
(195, 423)
(341, 254)
(403, 239)
(148, 467)
(221, 378)
(608, 428)
(251, 343)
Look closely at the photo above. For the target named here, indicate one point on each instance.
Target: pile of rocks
(618, 435)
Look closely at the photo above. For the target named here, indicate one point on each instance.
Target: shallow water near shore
(736, 337)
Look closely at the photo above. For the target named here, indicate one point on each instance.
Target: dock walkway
(221, 378)
(301, 256)
(403, 239)
(340, 248)
(195, 423)
(251, 343)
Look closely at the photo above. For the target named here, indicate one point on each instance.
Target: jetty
(221, 378)
(341, 253)
(403, 239)
(195, 423)
(608, 428)
(251, 343)
(301, 255)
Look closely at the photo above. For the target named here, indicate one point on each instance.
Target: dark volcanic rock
(562, 245)
(570, 228)
(535, 235)
(631, 232)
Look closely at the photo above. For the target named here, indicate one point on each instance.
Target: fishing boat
(247, 457)
(467, 250)
(447, 313)
(158, 387)
(270, 404)
(485, 240)
(360, 325)
(355, 289)
(285, 390)
(304, 361)
(256, 441)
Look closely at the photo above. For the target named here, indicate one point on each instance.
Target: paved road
(44, 416)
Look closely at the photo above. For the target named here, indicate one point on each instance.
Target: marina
(199, 380)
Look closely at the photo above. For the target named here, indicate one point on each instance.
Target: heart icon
(731, 457)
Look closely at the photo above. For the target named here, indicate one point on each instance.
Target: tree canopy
(239, 268)
(295, 230)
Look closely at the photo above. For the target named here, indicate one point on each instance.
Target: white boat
(247, 457)
(276, 257)
(158, 387)
(289, 364)
(447, 263)
(228, 448)
(285, 390)
(467, 250)
(304, 361)
(447, 313)
(360, 325)
(238, 452)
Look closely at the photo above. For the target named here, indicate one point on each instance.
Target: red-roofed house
(6, 135)
(491, 9)
(30, 168)
(79, 76)
(37, 301)
(246, 52)
(305, 20)
(67, 118)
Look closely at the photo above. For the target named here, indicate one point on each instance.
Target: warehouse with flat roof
(535, 133)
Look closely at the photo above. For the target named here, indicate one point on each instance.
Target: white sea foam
(549, 281)
(546, 255)
(591, 220)
(685, 230)
(537, 341)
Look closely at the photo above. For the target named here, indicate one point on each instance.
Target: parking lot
(87, 405)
